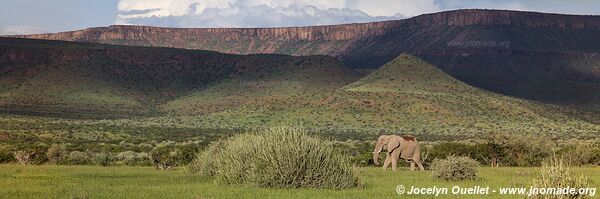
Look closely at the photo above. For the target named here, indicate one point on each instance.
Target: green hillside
(422, 96)
(271, 87)
(406, 95)
(94, 80)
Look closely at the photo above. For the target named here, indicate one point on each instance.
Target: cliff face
(178, 37)
(503, 51)
(295, 41)
(510, 18)
(317, 33)
(368, 44)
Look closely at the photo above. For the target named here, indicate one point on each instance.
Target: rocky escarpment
(370, 44)
(247, 40)
(324, 40)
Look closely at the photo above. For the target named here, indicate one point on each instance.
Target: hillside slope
(546, 57)
(194, 89)
(78, 78)
(405, 95)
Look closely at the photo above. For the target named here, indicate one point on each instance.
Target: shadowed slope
(81, 78)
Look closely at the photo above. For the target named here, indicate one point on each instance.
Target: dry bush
(24, 157)
(555, 174)
(454, 168)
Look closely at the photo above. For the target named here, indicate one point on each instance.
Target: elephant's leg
(412, 165)
(386, 162)
(420, 165)
(395, 156)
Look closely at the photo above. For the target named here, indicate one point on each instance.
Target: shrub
(77, 158)
(127, 157)
(30, 157)
(204, 164)
(365, 159)
(447, 149)
(143, 159)
(581, 153)
(164, 158)
(526, 151)
(595, 156)
(56, 154)
(133, 158)
(103, 158)
(454, 168)
(554, 174)
(24, 157)
(6, 156)
(187, 154)
(280, 158)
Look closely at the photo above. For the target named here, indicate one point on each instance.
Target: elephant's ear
(393, 143)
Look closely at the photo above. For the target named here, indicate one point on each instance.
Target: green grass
(49, 181)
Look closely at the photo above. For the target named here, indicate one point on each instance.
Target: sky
(41, 16)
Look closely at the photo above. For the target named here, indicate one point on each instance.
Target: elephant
(405, 147)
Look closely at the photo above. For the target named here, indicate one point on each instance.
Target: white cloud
(392, 7)
(265, 13)
(261, 16)
(19, 30)
(488, 4)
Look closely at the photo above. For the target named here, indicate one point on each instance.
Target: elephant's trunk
(376, 152)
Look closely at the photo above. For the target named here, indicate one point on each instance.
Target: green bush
(102, 158)
(500, 150)
(187, 153)
(555, 173)
(204, 164)
(447, 149)
(6, 156)
(580, 154)
(527, 151)
(77, 158)
(365, 159)
(280, 158)
(132, 158)
(56, 154)
(454, 168)
(164, 158)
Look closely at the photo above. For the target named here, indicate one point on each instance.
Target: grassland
(50, 181)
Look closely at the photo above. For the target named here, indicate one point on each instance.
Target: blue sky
(36, 16)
